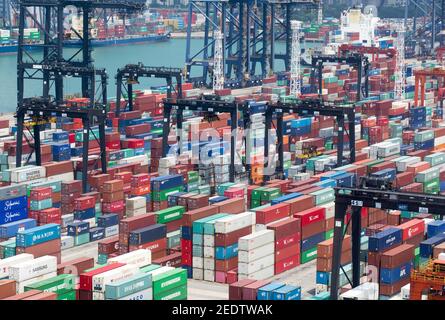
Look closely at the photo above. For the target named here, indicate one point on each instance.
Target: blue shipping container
(390, 276)
(148, 234)
(427, 246)
(311, 242)
(226, 253)
(436, 227)
(10, 229)
(108, 220)
(265, 293)
(77, 228)
(38, 235)
(385, 239)
(287, 293)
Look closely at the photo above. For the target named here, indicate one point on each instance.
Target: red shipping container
(287, 264)
(311, 215)
(287, 241)
(50, 215)
(234, 193)
(86, 279)
(273, 213)
(84, 203)
(412, 228)
(153, 246)
(113, 207)
(41, 193)
(287, 252)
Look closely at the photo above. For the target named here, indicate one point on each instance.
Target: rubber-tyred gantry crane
(420, 77)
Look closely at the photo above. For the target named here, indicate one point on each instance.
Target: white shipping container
(439, 141)
(259, 275)
(209, 275)
(198, 262)
(18, 175)
(69, 176)
(255, 254)
(198, 273)
(329, 209)
(255, 240)
(209, 240)
(139, 258)
(405, 292)
(112, 231)
(209, 264)
(146, 294)
(234, 222)
(167, 162)
(33, 268)
(209, 252)
(135, 212)
(67, 242)
(121, 273)
(136, 203)
(7, 262)
(401, 165)
(20, 286)
(254, 266)
(365, 291)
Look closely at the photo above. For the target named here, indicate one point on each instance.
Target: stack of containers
(201, 228)
(152, 237)
(113, 199)
(17, 199)
(312, 231)
(107, 248)
(395, 269)
(256, 256)
(63, 285)
(162, 186)
(381, 242)
(100, 280)
(27, 272)
(170, 285)
(41, 206)
(85, 211)
(126, 226)
(187, 235)
(287, 244)
(40, 241)
(70, 190)
(229, 228)
(325, 250)
(137, 287)
(135, 206)
(140, 187)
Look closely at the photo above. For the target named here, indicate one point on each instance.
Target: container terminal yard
(231, 180)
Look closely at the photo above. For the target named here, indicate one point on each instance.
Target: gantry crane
(420, 81)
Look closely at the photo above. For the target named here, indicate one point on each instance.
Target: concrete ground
(303, 276)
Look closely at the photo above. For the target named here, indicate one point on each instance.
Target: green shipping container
(432, 187)
(150, 268)
(169, 214)
(198, 225)
(209, 226)
(256, 193)
(163, 195)
(309, 255)
(60, 285)
(255, 203)
(91, 136)
(428, 175)
(169, 280)
(435, 158)
(70, 295)
(179, 293)
(268, 194)
(329, 234)
(193, 176)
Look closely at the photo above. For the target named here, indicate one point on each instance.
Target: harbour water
(169, 53)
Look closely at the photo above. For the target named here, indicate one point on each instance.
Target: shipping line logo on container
(390, 240)
(10, 216)
(10, 204)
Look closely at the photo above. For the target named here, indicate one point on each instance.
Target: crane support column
(356, 235)
(339, 221)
